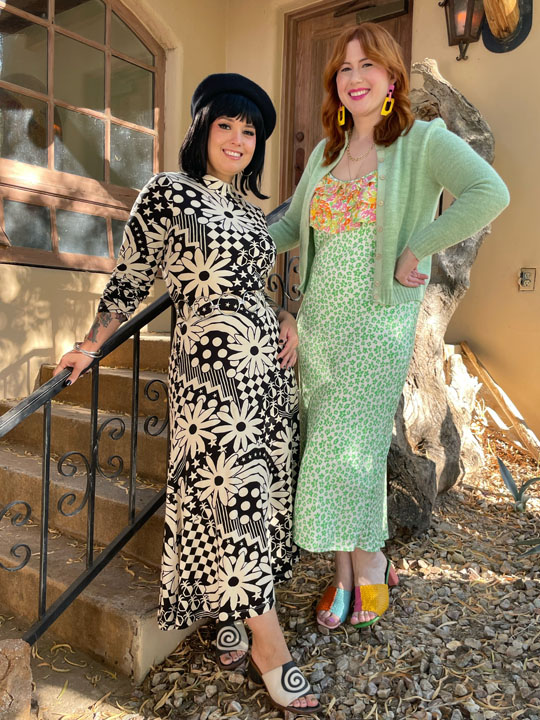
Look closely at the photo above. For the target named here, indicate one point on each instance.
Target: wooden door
(309, 38)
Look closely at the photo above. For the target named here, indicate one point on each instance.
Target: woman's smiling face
(362, 84)
(231, 144)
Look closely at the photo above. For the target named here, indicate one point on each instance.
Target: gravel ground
(460, 640)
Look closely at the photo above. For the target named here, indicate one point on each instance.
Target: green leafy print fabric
(354, 357)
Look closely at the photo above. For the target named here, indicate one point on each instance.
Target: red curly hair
(379, 46)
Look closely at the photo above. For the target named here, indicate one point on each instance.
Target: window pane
(23, 128)
(80, 233)
(79, 144)
(23, 52)
(125, 41)
(36, 7)
(79, 73)
(87, 18)
(132, 93)
(132, 157)
(27, 225)
(118, 234)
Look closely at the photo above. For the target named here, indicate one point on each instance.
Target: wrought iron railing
(20, 511)
(68, 505)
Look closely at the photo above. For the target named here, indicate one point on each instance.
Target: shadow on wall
(42, 312)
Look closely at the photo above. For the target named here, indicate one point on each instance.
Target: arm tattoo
(103, 319)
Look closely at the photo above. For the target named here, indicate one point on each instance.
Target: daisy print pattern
(224, 213)
(233, 410)
(204, 276)
(219, 480)
(241, 426)
(190, 332)
(238, 577)
(252, 352)
(130, 261)
(193, 429)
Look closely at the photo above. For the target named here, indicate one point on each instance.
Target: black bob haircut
(193, 156)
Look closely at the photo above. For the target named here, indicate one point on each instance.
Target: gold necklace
(358, 159)
(361, 157)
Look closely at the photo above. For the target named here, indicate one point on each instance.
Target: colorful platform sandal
(231, 637)
(374, 598)
(284, 685)
(334, 600)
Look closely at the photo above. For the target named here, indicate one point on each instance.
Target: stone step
(114, 619)
(70, 432)
(115, 389)
(154, 353)
(20, 479)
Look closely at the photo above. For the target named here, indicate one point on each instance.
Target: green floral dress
(354, 357)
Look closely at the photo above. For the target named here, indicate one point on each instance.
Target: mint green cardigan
(412, 172)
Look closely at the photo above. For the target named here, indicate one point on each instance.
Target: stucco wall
(500, 323)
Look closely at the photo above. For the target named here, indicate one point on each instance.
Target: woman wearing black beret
(232, 392)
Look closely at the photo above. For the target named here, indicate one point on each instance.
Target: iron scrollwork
(279, 284)
(69, 498)
(18, 519)
(67, 467)
(114, 460)
(154, 395)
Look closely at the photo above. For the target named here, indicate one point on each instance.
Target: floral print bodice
(339, 206)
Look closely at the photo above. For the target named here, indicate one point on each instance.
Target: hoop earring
(245, 174)
(388, 104)
(341, 115)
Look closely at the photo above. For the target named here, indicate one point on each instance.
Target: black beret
(235, 84)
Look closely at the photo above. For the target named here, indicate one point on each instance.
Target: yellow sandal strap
(371, 598)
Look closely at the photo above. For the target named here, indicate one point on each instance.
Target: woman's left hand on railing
(103, 327)
(76, 360)
(288, 339)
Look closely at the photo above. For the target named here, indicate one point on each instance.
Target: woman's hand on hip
(75, 360)
(406, 272)
(288, 339)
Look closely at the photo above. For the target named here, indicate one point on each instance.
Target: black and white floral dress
(233, 410)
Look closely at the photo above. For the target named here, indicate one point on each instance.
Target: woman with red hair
(363, 215)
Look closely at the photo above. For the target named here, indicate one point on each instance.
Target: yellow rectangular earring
(341, 115)
(388, 104)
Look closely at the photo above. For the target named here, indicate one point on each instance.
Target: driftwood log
(432, 445)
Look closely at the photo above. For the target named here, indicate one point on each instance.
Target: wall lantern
(463, 22)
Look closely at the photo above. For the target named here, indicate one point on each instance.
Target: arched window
(81, 119)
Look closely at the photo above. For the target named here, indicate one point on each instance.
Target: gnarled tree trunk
(432, 445)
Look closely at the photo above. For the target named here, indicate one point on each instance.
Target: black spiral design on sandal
(292, 679)
(228, 638)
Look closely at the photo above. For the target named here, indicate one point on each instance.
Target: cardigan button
(381, 202)
(382, 177)
(378, 256)
(377, 283)
(379, 229)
